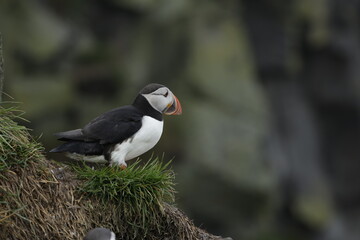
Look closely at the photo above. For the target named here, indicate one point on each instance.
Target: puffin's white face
(164, 101)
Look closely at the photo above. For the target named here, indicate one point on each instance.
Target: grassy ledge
(41, 199)
(139, 191)
(17, 147)
(152, 180)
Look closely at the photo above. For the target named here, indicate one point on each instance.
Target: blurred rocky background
(267, 147)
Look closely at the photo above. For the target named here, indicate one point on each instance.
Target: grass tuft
(17, 147)
(138, 191)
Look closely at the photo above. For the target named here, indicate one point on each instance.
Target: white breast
(142, 141)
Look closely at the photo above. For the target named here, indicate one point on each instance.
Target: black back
(114, 126)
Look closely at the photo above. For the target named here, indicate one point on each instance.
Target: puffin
(122, 133)
(100, 234)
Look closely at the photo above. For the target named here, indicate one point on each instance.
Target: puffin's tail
(80, 147)
(65, 147)
(75, 142)
(70, 135)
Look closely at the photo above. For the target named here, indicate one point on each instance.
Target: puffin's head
(162, 99)
(100, 234)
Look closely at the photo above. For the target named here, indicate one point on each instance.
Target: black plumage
(111, 127)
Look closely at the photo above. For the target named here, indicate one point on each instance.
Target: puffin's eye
(166, 94)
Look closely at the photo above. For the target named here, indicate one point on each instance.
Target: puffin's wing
(70, 135)
(114, 126)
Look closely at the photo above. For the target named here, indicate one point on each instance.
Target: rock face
(227, 124)
(267, 144)
(1, 67)
(312, 92)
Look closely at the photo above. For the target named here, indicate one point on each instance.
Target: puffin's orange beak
(174, 108)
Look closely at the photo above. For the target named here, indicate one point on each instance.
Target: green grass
(17, 147)
(138, 191)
